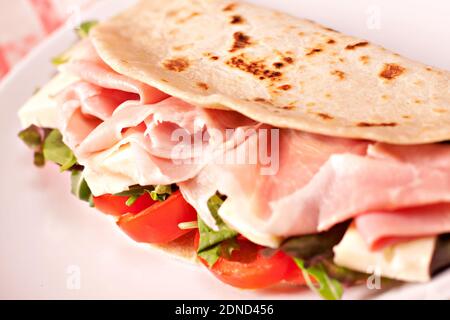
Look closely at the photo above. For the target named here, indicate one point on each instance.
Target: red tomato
(249, 269)
(116, 205)
(294, 275)
(159, 223)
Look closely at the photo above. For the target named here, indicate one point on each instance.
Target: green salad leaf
(80, 188)
(84, 28)
(318, 281)
(55, 150)
(314, 247)
(34, 137)
(214, 244)
(161, 193)
(59, 60)
(157, 193)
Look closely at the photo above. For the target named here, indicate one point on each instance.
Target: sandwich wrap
(250, 65)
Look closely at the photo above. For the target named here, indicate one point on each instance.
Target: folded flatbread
(292, 73)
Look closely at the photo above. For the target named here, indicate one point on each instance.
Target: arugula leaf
(157, 193)
(80, 188)
(326, 287)
(33, 137)
(161, 193)
(342, 274)
(55, 150)
(59, 60)
(315, 247)
(213, 244)
(84, 29)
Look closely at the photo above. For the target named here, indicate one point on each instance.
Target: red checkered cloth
(24, 23)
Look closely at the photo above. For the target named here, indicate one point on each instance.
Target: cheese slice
(233, 218)
(409, 261)
(42, 109)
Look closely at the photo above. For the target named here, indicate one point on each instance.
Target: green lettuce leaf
(34, 138)
(315, 247)
(80, 188)
(59, 60)
(318, 280)
(157, 193)
(55, 150)
(214, 244)
(84, 28)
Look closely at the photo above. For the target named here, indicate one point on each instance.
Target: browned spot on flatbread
(338, 73)
(290, 107)
(391, 71)
(382, 124)
(289, 60)
(257, 68)
(278, 65)
(364, 59)
(325, 116)
(214, 58)
(241, 41)
(230, 7)
(187, 18)
(176, 64)
(356, 45)
(237, 19)
(182, 47)
(260, 100)
(314, 51)
(406, 117)
(439, 110)
(331, 41)
(172, 13)
(202, 85)
(285, 87)
(329, 29)
(418, 101)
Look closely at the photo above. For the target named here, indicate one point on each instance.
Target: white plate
(49, 240)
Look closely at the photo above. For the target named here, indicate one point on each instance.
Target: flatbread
(277, 69)
(182, 248)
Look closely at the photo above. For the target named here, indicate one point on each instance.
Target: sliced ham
(107, 115)
(381, 229)
(125, 132)
(324, 181)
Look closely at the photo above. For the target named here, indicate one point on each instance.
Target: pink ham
(380, 229)
(324, 181)
(394, 193)
(106, 111)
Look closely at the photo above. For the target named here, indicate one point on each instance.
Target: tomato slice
(159, 223)
(116, 205)
(248, 268)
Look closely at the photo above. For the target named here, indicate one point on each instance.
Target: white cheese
(408, 261)
(249, 229)
(42, 109)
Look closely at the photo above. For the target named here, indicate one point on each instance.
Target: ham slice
(125, 132)
(324, 181)
(107, 115)
(381, 229)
